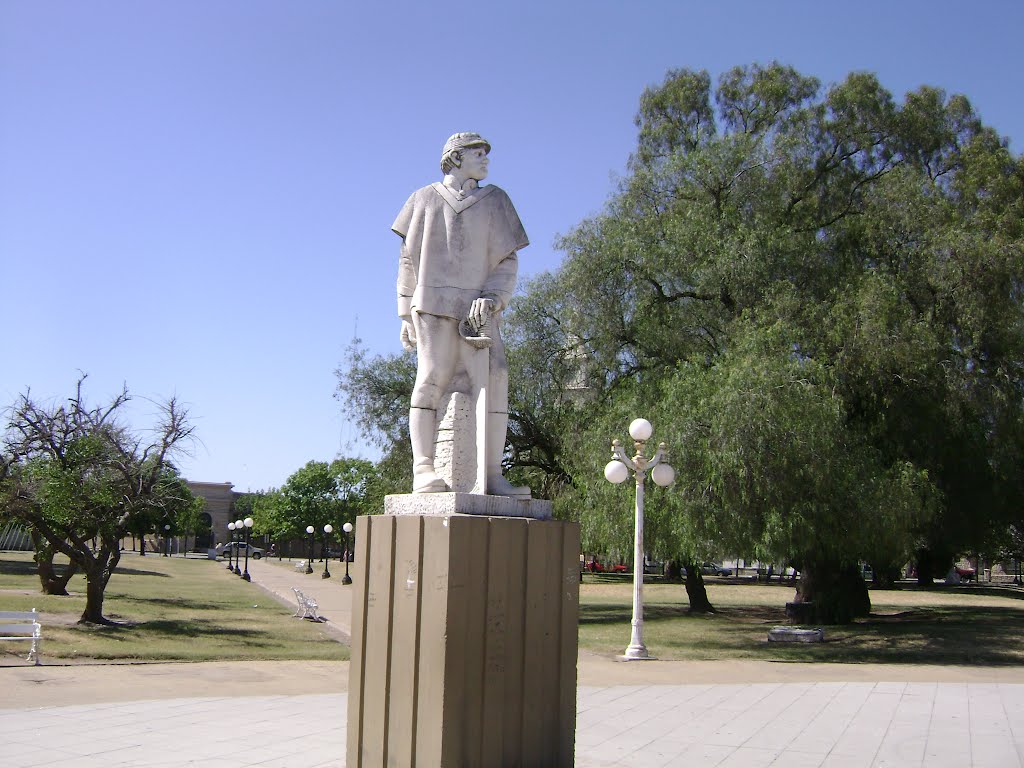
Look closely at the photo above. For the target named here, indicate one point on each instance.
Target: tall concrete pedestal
(463, 642)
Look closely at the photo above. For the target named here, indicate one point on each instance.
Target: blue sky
(196, 197)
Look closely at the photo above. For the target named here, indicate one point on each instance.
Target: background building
(218, 511)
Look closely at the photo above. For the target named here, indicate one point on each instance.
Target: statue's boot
(422, 424)
(497, 485)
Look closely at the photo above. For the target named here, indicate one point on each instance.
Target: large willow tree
(816, 295)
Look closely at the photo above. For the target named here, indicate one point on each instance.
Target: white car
(238, 548)
(715, 569)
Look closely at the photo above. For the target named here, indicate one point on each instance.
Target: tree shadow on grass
(1009, 591)
(169, 602)
(29, 568)
(614, 613)
(119, 571)
(168, 629)
(983, 636)
(18, 568)
(925, 636)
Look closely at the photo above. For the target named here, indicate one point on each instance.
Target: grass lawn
(946, 625)
(177, 609)
(168, 609)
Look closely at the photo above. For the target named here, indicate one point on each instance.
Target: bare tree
(77, 476)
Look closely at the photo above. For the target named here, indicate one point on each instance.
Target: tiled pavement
(806, 724)
(796, 725)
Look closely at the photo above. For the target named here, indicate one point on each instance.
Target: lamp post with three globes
(617, 471)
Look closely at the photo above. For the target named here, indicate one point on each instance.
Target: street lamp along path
(239, 527)
(228, 547)
(309, 562)
(248, 527)
(328, 529)
(347, 528)
(617, 471)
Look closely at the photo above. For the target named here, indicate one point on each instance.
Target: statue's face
(474, 163)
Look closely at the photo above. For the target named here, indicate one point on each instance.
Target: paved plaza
(740, 714)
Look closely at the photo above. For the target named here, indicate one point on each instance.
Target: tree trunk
(925, 567)
(696, 591)
(52, 583)
(97, 575)
(112, 558)
(885, 577)
(673, 571)
(94, 593)
(832, 593)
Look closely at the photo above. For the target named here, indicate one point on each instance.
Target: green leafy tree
(374, 392)
(354, 483)
(188, 519)
(317, 494)
(245, 506)
(77, 476)
(311, 496)
(270, 515)
(826, 286)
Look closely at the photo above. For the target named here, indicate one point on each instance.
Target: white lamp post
(228, 546)
(327, 553)
(617, 471)
(248, 527)
(347, 528)
(309, 563)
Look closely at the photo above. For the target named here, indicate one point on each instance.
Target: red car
(594, 566)
(966, 573)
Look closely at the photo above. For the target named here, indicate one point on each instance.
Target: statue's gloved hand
(481, 311)
(408, 335)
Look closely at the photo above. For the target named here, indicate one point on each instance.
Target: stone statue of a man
(457, 265)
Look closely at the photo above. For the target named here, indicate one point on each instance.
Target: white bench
(22, 625)
(307, 608)
(300, 566)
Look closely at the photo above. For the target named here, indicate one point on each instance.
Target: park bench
(307, 607)
(22, 625)
(300, 566)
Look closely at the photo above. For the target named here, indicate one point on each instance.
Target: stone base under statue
(464, 641)
(465, 504)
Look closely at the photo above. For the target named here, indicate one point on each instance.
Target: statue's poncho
(455, 251)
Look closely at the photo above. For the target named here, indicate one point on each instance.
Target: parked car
(715, 569)
(595, 566)
(238, 548)
(965, 572)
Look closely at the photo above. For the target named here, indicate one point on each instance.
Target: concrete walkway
(334, 599)
(289, 714)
